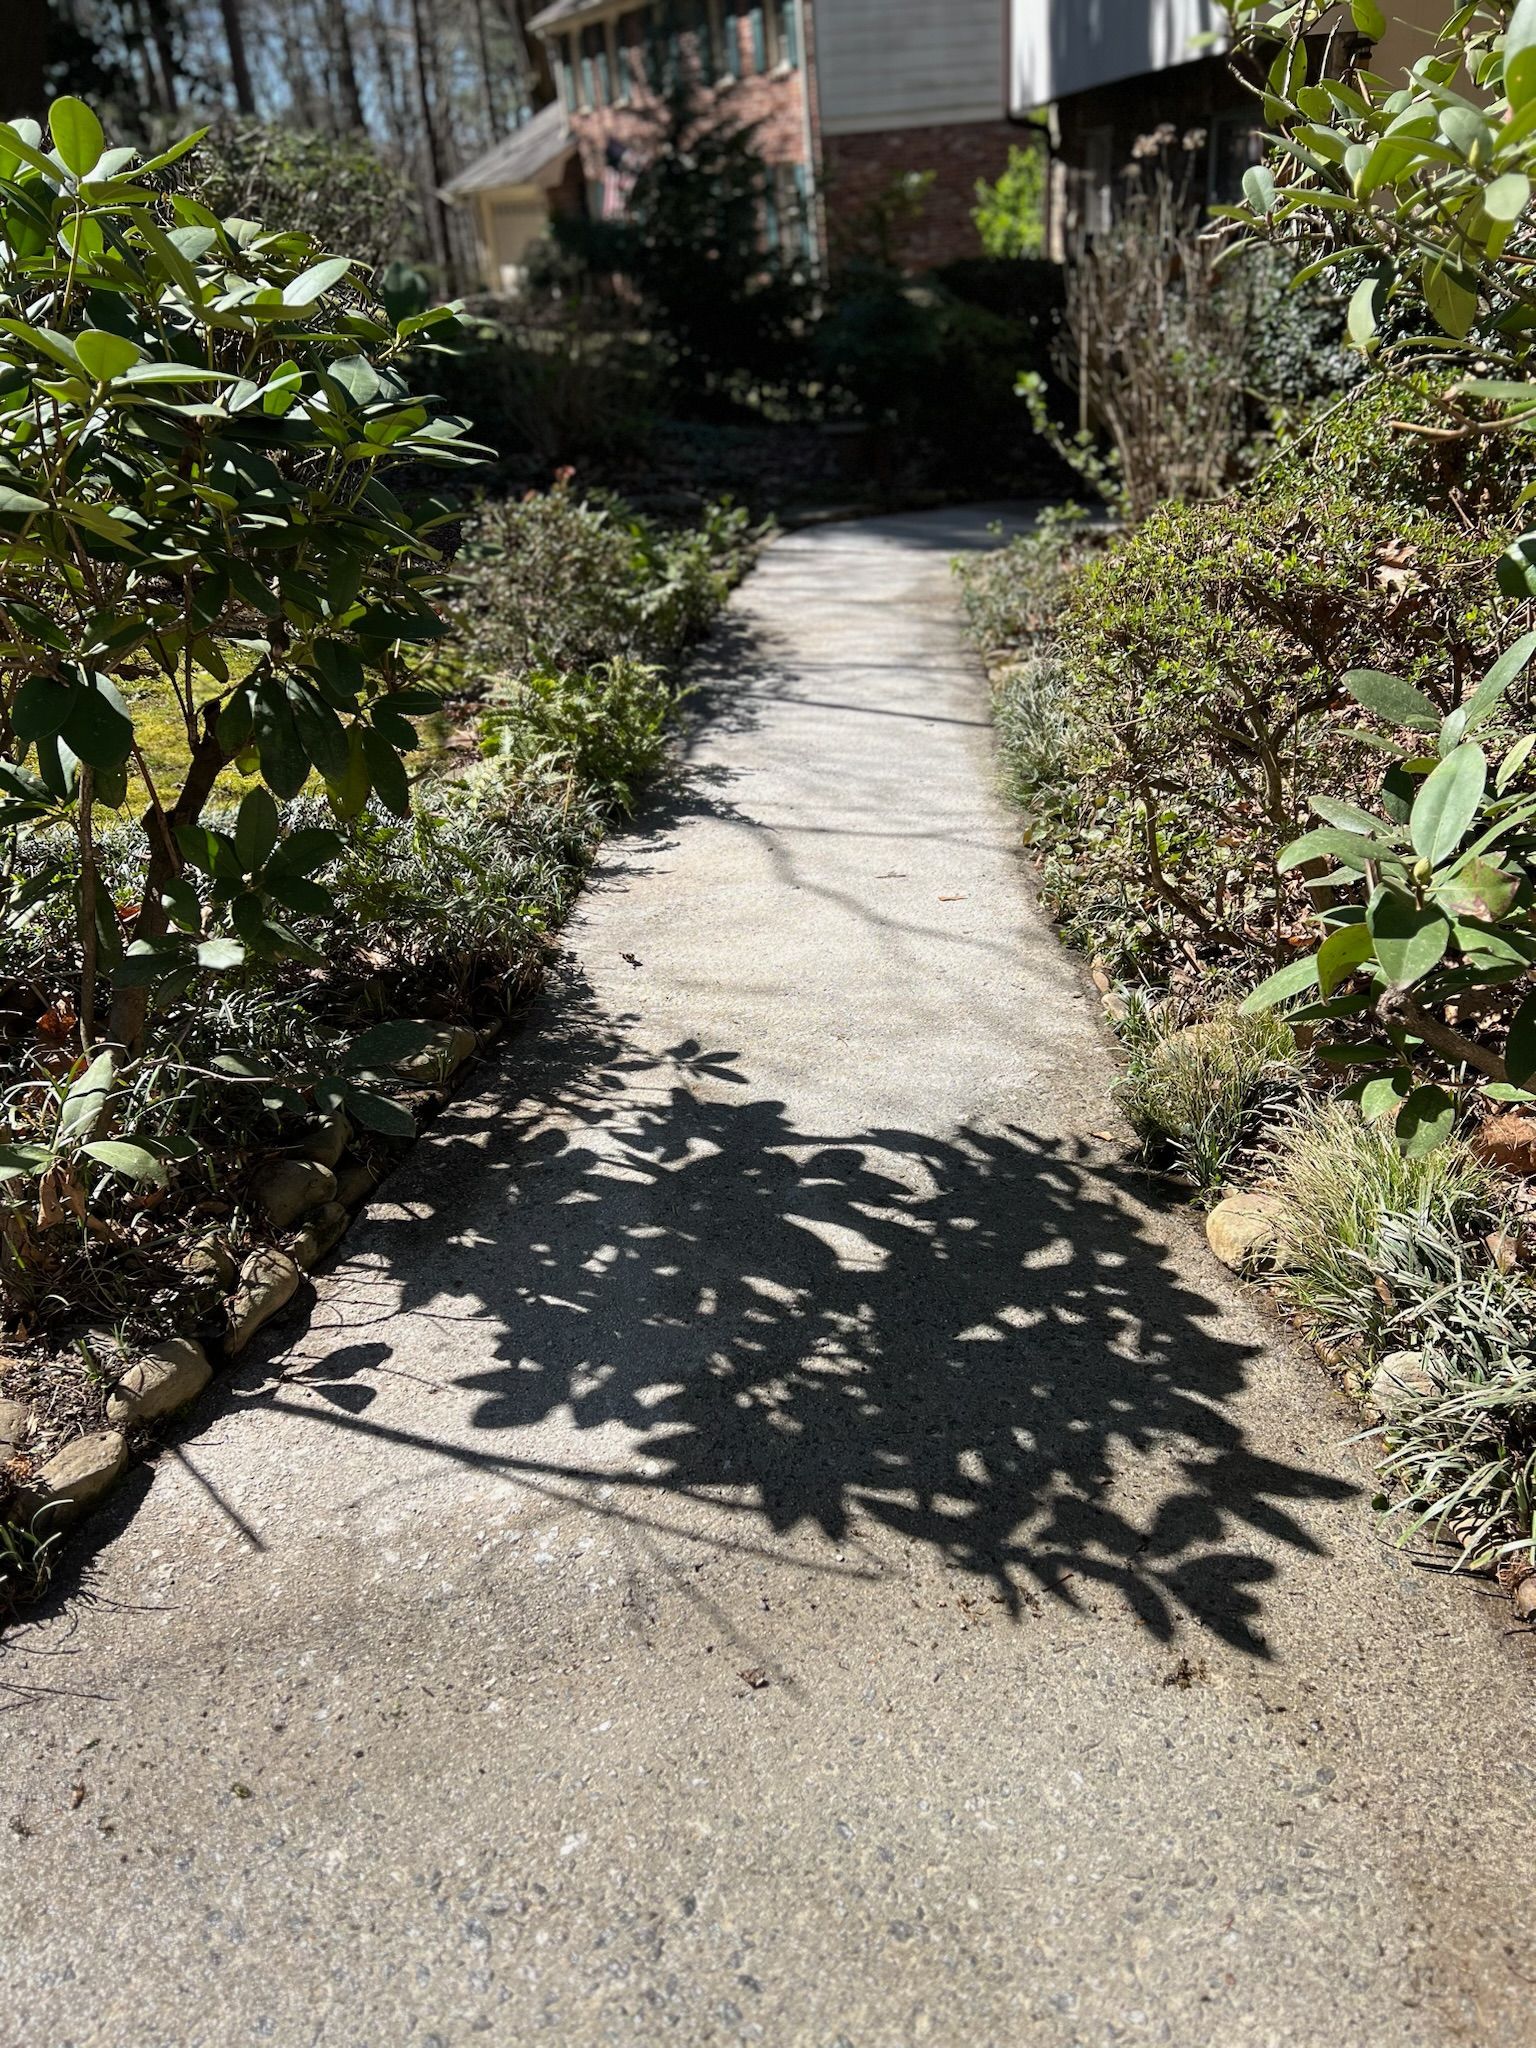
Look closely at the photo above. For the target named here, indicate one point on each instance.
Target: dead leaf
(757, 1677)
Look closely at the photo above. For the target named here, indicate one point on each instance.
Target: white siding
(909, 63)
(1067, 46)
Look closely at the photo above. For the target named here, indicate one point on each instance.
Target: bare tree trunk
(437, 223)
(487, 75)
(165, 51)
(389, 79)
(346, 69)
(239, 64)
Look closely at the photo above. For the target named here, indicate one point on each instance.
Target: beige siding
(1067, 46)
(908, 63)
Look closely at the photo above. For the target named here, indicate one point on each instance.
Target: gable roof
(551, 17)
(521, 158)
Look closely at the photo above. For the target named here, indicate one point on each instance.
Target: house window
(618, 61)
(758, 28)
(1236, 145)
(731, 23)
(596, 81)
(789, 24)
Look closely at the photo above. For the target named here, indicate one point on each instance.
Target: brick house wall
(613, 68)
(858, 170)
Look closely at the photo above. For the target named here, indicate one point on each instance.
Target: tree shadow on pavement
(972, 1344)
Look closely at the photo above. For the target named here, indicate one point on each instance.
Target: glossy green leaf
(1445, 807)
(1292, 980)
(1520, 56)
(105, 356)
(1410, 941)
(133, 1162)
(1399, 703)
(1425, 1121)
(1341, 953)
(76, 135)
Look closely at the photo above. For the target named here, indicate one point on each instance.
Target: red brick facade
(859, 170)
(771, 102)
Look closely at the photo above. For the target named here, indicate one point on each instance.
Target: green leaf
(1520, 1051)
(87, 1097)
(1368, 18)
(1349, 817)
(378, 1113)
(1410, 941)
(385, 1045)
(105, 356)
(131, 1161)
(1516, 572)
(1360, 321)
(98, 728)
(284, 763)
(24, 1159)
(219, 954)
(1507, 197)
(1486, 698)
(1425, 1121)
(256, 828)
(16, 504)
(1477, 888)
(1399, 703)
(1447, 804)
(76, 135)
(1520, 56)
(1341, 953)
(386, 771)
(1381, 1095)
(1259, 189)
(1292, 980)
(41, 707)
(1349, 848)
(1513, 762)
(319, 278)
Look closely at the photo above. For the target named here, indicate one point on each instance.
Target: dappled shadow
(970, 1344)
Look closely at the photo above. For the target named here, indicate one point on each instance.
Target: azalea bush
(208, 465)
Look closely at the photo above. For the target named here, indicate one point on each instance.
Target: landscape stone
(269, 1280)
(1250, 1231)
(212, 1261)
(75, 1477)
(160, 1382)
(288, 1188)
(321, 1234)
(327, 1138)
(448, 1048)
(355, 1181)
(14, 1416)
(1400, 1383)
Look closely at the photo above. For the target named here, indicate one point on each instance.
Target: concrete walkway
(766, 1537)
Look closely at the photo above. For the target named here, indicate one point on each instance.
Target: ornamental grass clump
(1345, 1179)
(1199, 1096)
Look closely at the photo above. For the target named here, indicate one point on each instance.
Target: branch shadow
(971, 1345)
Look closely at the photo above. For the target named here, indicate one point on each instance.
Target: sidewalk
(766, 1537)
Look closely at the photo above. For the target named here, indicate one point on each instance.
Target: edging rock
(288, 1188)
(14, 1417)
(444, 1052)
(1400, 1384)
(321, 1234)
(269, 1279)
(159, 1383)
(75, 1478)
(1249, 1232)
